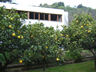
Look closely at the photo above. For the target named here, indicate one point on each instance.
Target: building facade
(47, 16)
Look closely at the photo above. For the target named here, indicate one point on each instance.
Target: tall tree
(81, 34)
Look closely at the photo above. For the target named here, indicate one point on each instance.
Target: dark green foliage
(80, 6)
(2, 59)
(59, 5)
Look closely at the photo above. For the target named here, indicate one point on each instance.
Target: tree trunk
(95, 62)
(44, 64)
(5, 66)
(94, 55)
(0, 66)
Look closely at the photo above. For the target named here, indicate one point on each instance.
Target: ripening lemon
(11, 18)
(57, 59)
(67, 35)
(13, 34)
(89, 31)
(81, 26)
(18, 31)
(24, 32)
(56, 39)
(87, 24)
(61, 34)
(31, 36)
(22, 37)
(20, 61)
(74, 35)
(46, 47)
(3, 28)
(77, 21)
(10, 26)
(29, 54)
(43, 56)
(67, 51)
(18, 37)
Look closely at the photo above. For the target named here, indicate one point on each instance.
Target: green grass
(79, 67)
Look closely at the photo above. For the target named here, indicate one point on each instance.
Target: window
(41, 16)
(36, 15)
(46, 16)
(31, 15)
(53, 17)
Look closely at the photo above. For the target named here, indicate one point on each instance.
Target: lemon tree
(81, 35)
(42, 43)
(88, 39)
(10, 38)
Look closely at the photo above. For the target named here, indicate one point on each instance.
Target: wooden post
(34, 15)
(49, 17)
(28, 15)
(38, 16)
(57, 18)
(44, 17)
(61, 18)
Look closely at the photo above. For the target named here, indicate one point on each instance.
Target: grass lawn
(79, 67)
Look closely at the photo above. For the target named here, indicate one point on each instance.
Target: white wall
(46, 23)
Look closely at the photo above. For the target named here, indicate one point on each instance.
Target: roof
(32, 8)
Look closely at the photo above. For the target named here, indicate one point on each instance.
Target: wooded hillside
(72, 10)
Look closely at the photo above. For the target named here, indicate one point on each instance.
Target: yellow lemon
(10, 26)
(20, 61)
(11, 18)
(89, 31)
(81, 26)
(18, 37)
(13, 34)
(57, 59)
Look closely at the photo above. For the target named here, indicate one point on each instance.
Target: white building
(47, 16)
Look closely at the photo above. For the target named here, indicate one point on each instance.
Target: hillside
(72, 11)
